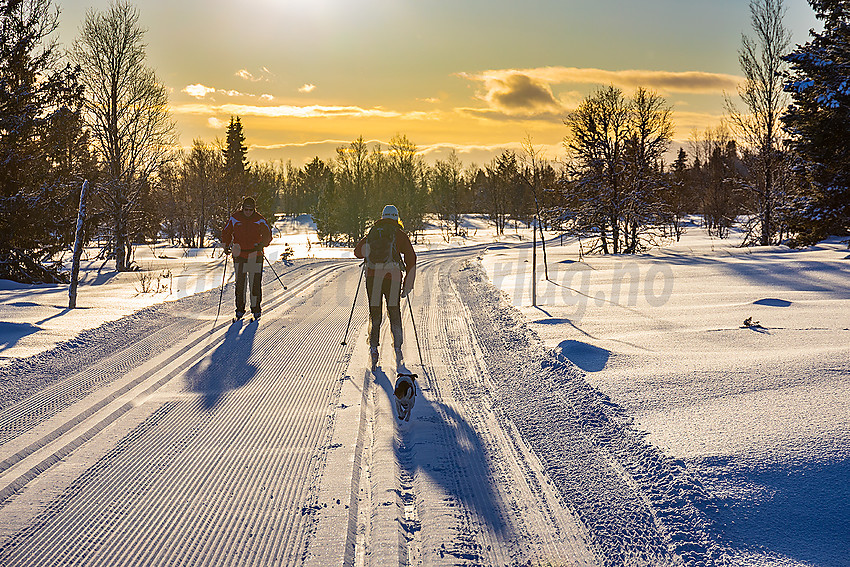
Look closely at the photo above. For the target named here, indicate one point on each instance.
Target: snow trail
(212, 464)
(639, 506)
(162, 441)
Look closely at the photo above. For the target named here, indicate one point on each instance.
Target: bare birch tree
(651, 134)
(764, 100)
(127, 112)
(599, 130)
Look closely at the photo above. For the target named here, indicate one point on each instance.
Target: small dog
(405, 395)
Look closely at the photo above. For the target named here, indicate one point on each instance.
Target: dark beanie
(249, 201)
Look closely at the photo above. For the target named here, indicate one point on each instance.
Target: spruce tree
(43, 148)
(678, 195)
(818, 122)
(235, 165)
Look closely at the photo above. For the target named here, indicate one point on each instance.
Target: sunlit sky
(306, 76)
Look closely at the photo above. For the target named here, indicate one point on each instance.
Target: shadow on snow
(227, 368)
(450, 465)
(586, 356)
(11, 333)
(800, 511)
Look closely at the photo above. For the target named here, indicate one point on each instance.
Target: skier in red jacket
(245, 235)
(390, 273)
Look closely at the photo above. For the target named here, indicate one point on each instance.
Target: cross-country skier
(390, 273)
(245, 235)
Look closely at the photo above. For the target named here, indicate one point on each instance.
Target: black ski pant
(249, 271)
(380, 286)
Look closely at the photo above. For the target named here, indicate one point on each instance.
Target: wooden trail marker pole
(78, 248)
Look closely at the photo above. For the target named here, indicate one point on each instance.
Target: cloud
(515, 94)
(522, 94)
(215, 123)
(249, 76)
(201, 91)
(288, 111)
(198, 90)
(510, 116)
(308, 88)
(692, 82)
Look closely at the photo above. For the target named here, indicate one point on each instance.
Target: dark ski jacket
(252, 234)
(403, 246)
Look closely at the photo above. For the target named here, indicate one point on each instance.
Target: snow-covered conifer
(818, 121)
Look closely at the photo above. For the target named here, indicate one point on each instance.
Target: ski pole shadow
(227, 368)
(441, 444)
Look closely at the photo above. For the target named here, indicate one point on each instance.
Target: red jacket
(252, 234)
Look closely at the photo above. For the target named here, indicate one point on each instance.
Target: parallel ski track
(64, 437)
(24, 415)
(227, 485)
(475, 540)
(485, 478)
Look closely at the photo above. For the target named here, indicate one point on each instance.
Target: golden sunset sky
(306, 76)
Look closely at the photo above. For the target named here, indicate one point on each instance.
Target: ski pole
(221, 293)
(415, 334)
(275, 275)
(353, 303)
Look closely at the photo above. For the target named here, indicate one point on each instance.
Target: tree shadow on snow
(227, 368)
(11, 333)
(798, 511)
(760, 268)
(441, 444)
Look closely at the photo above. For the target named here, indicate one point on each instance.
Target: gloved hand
(409, 278)
(406, 287)
(227, 250)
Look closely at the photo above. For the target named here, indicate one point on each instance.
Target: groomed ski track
(168, 439)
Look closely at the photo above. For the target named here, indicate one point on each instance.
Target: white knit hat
(390, 212)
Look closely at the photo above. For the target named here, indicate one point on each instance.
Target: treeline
(780, 162)
(344, 195)
(198, 189)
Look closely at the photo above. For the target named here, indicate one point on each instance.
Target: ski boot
(239, 315)
(399, 360)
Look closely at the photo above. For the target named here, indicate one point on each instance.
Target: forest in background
(97, 113)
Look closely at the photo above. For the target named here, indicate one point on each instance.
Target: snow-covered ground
(761, 410)
(735, 360)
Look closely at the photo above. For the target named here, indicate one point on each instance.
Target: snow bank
(735, 360)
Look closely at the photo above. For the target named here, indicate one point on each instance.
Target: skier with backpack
(390, 274)
(246, 234)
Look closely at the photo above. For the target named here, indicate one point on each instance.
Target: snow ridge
(639, 506)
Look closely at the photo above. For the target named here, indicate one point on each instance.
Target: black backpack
(382, 246)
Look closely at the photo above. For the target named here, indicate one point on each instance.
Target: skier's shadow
(227, 368)
(440, 443)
